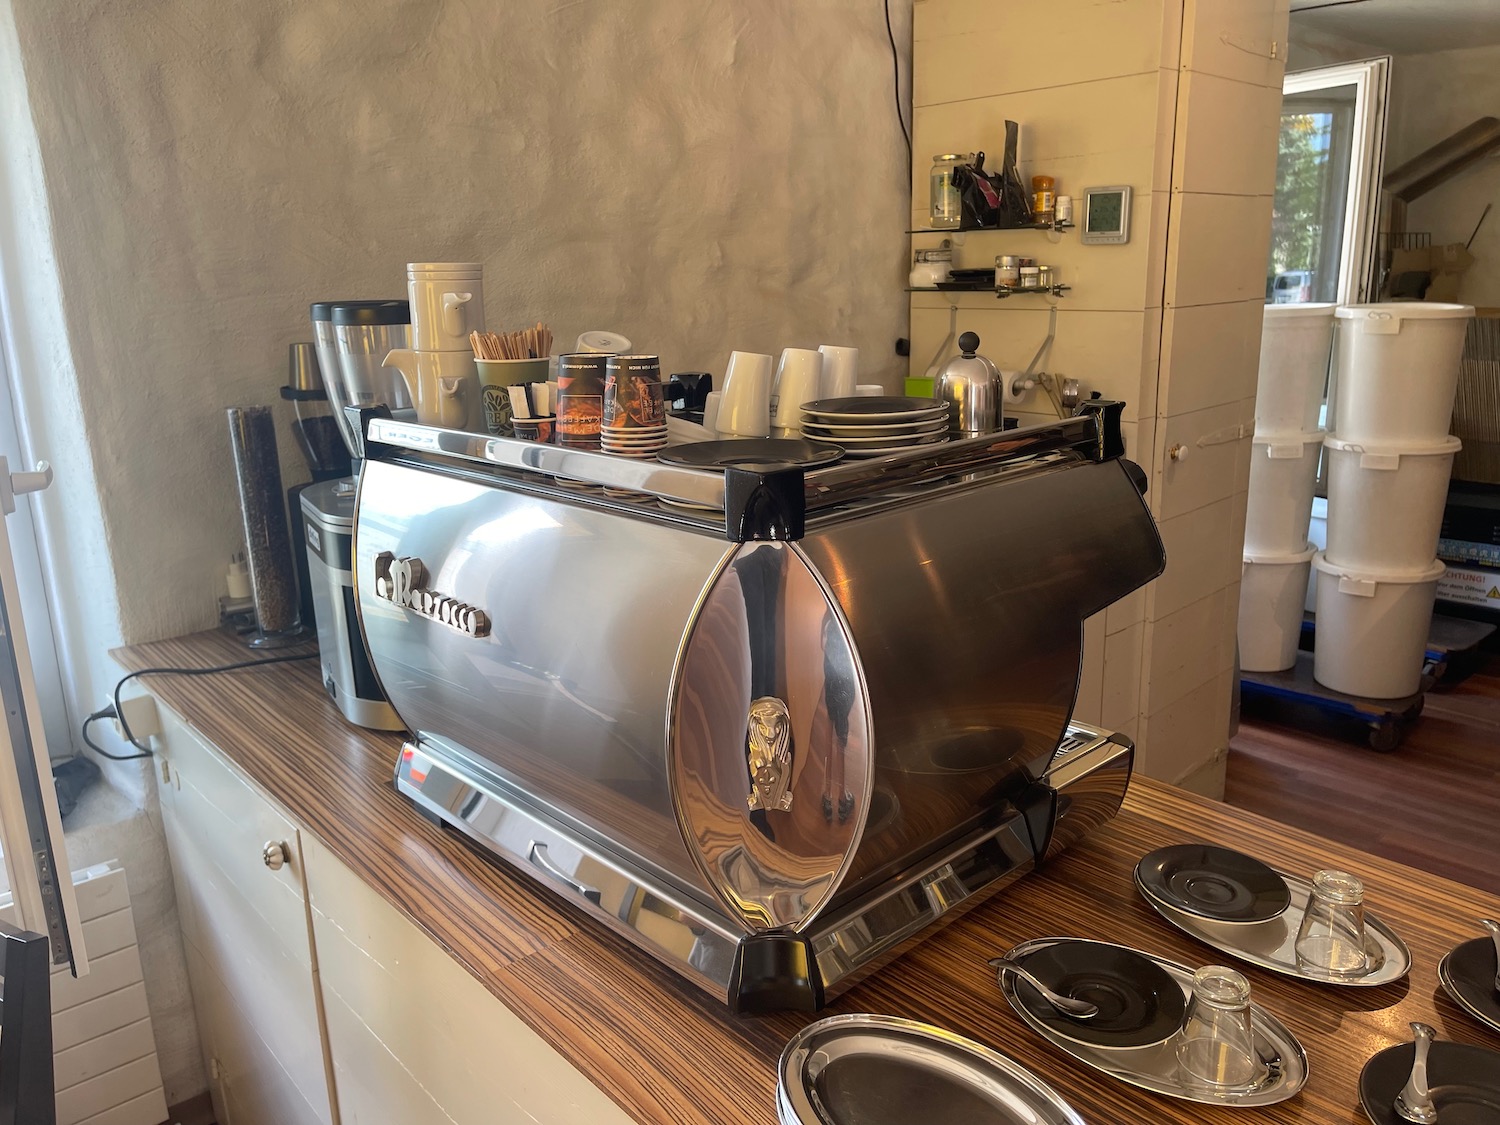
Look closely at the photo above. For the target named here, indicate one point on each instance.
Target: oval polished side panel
(769, 741)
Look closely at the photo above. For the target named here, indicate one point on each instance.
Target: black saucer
(1467, 973)
(1213, 883)
(751, 451)
(1139, 1002)
(1465, 1083)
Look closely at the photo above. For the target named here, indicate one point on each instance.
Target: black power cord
(117, 711)
(896, 70)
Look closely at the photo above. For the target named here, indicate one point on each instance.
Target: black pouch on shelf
(1015, 201)
(979, 192)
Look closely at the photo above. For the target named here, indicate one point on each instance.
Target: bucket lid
(1292, 312)
(1409, 578)
(1255, 559)
(881, 1070)
(1405, 310)
(1448, 446)
(1288, 445)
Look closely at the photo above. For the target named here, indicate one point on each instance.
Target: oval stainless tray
(881, 1070)
(1272, 944)
(1154, 1068)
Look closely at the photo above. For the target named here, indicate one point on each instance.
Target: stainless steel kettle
(972, 388)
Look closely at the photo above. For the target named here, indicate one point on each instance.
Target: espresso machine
(846, 717)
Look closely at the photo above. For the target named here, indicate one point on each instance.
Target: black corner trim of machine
(775, 972)
(362, 416)
(765, 502)
(1109, 439)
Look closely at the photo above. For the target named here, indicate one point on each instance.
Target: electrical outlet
(140, 713)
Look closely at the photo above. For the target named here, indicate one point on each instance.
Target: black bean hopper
(771, 723)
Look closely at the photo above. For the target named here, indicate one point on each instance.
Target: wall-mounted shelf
(1000, 293)
(1054, 227)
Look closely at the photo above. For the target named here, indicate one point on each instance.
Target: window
(1328, 166)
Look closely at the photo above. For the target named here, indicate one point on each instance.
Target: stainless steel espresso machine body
(769, 724)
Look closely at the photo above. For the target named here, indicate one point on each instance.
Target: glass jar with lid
(946, 211)
(932, 267)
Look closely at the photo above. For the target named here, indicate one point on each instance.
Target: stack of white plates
(869, 426)
(638, 443)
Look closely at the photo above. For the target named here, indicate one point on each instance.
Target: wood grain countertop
(668, 1053)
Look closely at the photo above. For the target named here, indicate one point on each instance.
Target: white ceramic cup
(869, 390)
(602, 343)
(447, 303)
(840, 371)
(711, 409)
(799, 379)
(745, 402)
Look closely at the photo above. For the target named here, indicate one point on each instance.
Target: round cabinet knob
(274, 855)
(1178, 452)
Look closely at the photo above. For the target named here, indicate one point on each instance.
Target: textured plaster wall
(699, 175)
(702, 175)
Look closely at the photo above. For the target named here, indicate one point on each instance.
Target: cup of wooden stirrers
(508, 359)
(524, 343)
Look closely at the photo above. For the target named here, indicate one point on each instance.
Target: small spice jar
(1007, 271)
(1031, 277)
(1046, 276)
(1043, 198)
(1064, 210)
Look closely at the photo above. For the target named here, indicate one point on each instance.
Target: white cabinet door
(245, 925)
(414, 1038)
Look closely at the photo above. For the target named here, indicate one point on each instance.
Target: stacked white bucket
(1389, 460)
(1294, 345)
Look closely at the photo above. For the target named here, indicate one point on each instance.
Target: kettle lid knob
(968, 343)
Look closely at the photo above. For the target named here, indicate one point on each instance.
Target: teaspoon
(1067, 1005)
(1414, 1102)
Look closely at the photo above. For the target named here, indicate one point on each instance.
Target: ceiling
(1403, 27)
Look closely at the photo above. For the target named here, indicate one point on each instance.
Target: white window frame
(1371, 79)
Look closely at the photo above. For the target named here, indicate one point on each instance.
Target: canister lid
(444, 269)
(1276, 559)
(880, 1070)
(1323, 566)
(371, 312)
(1446, 446)
(1405, 310)
(1293, 312)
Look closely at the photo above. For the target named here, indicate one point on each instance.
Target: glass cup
(1332, 934)
(1216, 1046)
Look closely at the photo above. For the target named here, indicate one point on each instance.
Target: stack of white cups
(1389, 460)
(1294, 346)
(763, 397)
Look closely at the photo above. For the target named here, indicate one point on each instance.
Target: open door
(1329, 163)
(36, 858)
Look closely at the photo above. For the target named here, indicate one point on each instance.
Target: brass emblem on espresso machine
(402, 582)
(768, 738)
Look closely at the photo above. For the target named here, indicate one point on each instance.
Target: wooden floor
(1434, 803)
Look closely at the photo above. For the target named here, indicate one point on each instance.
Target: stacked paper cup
(1294, 345)
(1389, 459)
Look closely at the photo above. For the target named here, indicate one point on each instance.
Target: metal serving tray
(1271, 944)
(1154, 1067)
